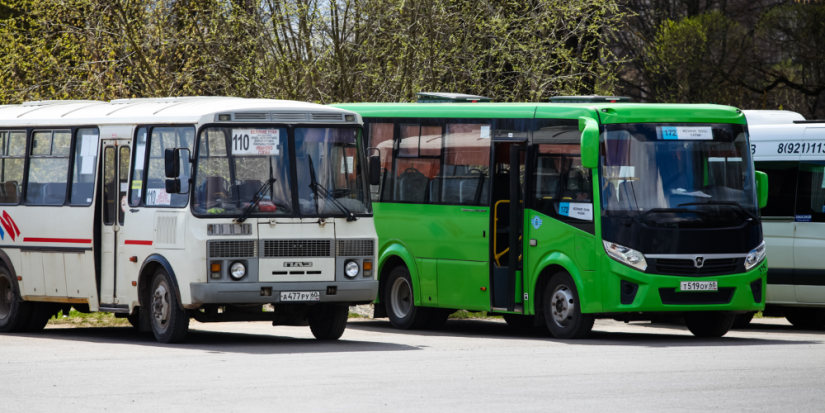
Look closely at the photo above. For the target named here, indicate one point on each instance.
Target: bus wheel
(562, 309)
(169, 322)
(709, 324)
(742, 320)
(41, 314)
(807, 318)
(14, 314)
(328, 321)
(519, 322)
(398, 296)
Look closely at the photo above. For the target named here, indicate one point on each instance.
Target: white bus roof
(193, 110)
(777, 135)
(771, 117)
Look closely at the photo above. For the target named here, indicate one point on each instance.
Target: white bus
(791, 150)
(162, 210)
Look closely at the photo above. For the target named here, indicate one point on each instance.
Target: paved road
(473, 366)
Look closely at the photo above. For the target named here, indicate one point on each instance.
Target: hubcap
(401, 297)
(562, 304)
(161, 306)
(6, 298)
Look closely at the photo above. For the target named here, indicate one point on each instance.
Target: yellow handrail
(497, 255)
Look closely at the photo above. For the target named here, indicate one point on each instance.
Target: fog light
(237, 270)
(351, 269)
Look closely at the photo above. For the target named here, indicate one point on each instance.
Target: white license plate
(300, 296)
(698, 286)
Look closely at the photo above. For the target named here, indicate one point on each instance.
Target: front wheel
(805, 318)
(170, 323)
(328, 321)
(400, 304)
(709, 325)
(14, 314)
(562, 309)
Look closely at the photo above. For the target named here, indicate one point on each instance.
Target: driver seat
(215, 190)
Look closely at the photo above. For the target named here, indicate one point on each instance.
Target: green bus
(560, 213)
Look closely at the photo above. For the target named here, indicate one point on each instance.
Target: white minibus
(791, 150)
(162, 210)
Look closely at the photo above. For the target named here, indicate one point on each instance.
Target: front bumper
(250, 293)
(649, 298)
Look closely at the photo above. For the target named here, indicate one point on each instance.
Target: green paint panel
(460, 285)
(428, 281)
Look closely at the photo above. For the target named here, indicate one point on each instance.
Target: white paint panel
(267, 265)
(779, 240)
(54, 274)
(810, 294)
(780, 294)
(76, 284)
(32, 274)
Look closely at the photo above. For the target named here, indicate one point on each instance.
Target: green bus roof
(605, 113)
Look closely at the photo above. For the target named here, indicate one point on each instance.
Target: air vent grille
(334, 117)
(288, 116)
(298, 248)
(251, 116)
(355, 248)
(233, 249)
(166, 228)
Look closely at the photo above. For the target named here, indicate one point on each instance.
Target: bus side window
(466, 171)
(123, 180)
(48, 167)
(12, 160)
(160, 139)
(138, 162)
(380, 136)
(810, 192)
(85, 164)
(781, 187)
(418, 164)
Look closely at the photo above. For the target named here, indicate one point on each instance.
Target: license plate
(698, 286)
(300, 296)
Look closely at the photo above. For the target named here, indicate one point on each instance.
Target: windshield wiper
(256, 199)
(729, 203)
(318, 188)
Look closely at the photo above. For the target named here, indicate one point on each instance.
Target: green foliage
(323, 51)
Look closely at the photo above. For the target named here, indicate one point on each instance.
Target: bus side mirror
(589, 142)
(375, 170)
(761, 189)
(173, 166)
(172, 159)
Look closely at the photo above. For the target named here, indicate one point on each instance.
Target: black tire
(520, 322)
(805, 318)
(41, 314)
(398, 300)
(742, 320)
(170, 322)
(14, 314)
(134, 319)
(562, 310)
(438, 317)
(709, 324)
(328, 321)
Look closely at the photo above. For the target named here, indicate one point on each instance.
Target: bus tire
(562, 310)
(742, 320)
(170, 323)
(709, 324)
(328, 321)
(520, 322)
(805, 318)
(41, 314)
(14, 314)
(438, 317)
(134, 318)
(399, 301)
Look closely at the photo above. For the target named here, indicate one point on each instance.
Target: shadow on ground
(497, 330)
(215, 341)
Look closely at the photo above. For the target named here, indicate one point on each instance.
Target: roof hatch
(590, 99)
(435, 97)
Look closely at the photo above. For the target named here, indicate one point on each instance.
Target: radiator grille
(251, 116)
(355, 248)
(328, 116)
(716, 266)
(233, 249)
(298, 248)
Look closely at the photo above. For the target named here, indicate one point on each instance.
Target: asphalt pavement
(469, 366)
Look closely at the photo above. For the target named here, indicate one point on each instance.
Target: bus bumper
(269, 293)
(741, 292)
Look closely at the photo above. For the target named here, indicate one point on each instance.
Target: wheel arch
(5, 261)
(393, 255)
(147, 270)
(552, 263)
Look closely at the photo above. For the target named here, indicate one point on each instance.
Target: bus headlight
(237, 270)
(755, 256)
(351, 269)
(626, 255)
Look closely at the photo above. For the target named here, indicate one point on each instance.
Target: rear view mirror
(761, 189)
(589, 142)
(172, 159)
(175, 168)
(375, 170)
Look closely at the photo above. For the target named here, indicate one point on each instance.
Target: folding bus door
(113, 192)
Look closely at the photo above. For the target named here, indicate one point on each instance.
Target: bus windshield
(678, 175)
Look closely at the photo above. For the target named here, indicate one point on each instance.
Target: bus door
(114, 188)
(507, 226)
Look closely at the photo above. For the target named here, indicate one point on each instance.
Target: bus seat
(468, 189)
(435, 190)
(35, 193)
(452, 189)
(412, 186)
(215, 190)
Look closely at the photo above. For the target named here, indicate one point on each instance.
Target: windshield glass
(677, 175)
(235, 163)
(330, 155)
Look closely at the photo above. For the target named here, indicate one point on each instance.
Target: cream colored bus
(162, 210)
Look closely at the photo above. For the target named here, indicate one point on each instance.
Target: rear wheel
(562, 309)
(807, 318)
(134, 318)
(41, 314)
(399, 301)
(709, 324)
(170, 323)
(328, 321)
(742, 320)
(14, 314)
